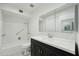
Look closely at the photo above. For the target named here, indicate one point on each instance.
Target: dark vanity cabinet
(41, 49)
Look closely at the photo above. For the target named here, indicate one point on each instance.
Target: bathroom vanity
(41, 46)
(59, 23)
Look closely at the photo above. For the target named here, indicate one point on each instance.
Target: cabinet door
(39, 51)
(32, 48)
(48, 50)
(36, 49)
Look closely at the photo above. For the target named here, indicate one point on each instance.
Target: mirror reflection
(67, 25)
(59, 20)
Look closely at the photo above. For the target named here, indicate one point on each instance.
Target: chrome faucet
(49, 35)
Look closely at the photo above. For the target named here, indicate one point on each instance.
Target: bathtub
(15, 50)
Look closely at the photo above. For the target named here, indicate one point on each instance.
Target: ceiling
(27, 10)
(16, 6)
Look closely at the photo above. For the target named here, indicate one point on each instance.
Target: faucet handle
(50, 35)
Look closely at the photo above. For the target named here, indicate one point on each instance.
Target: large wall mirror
(47, 24)
(59, 20)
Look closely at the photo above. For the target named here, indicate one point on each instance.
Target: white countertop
(61, 43)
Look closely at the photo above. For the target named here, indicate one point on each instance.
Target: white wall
(77, 36)
(0, 27)
(11, 38)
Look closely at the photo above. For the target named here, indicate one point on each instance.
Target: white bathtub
(15, 50)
